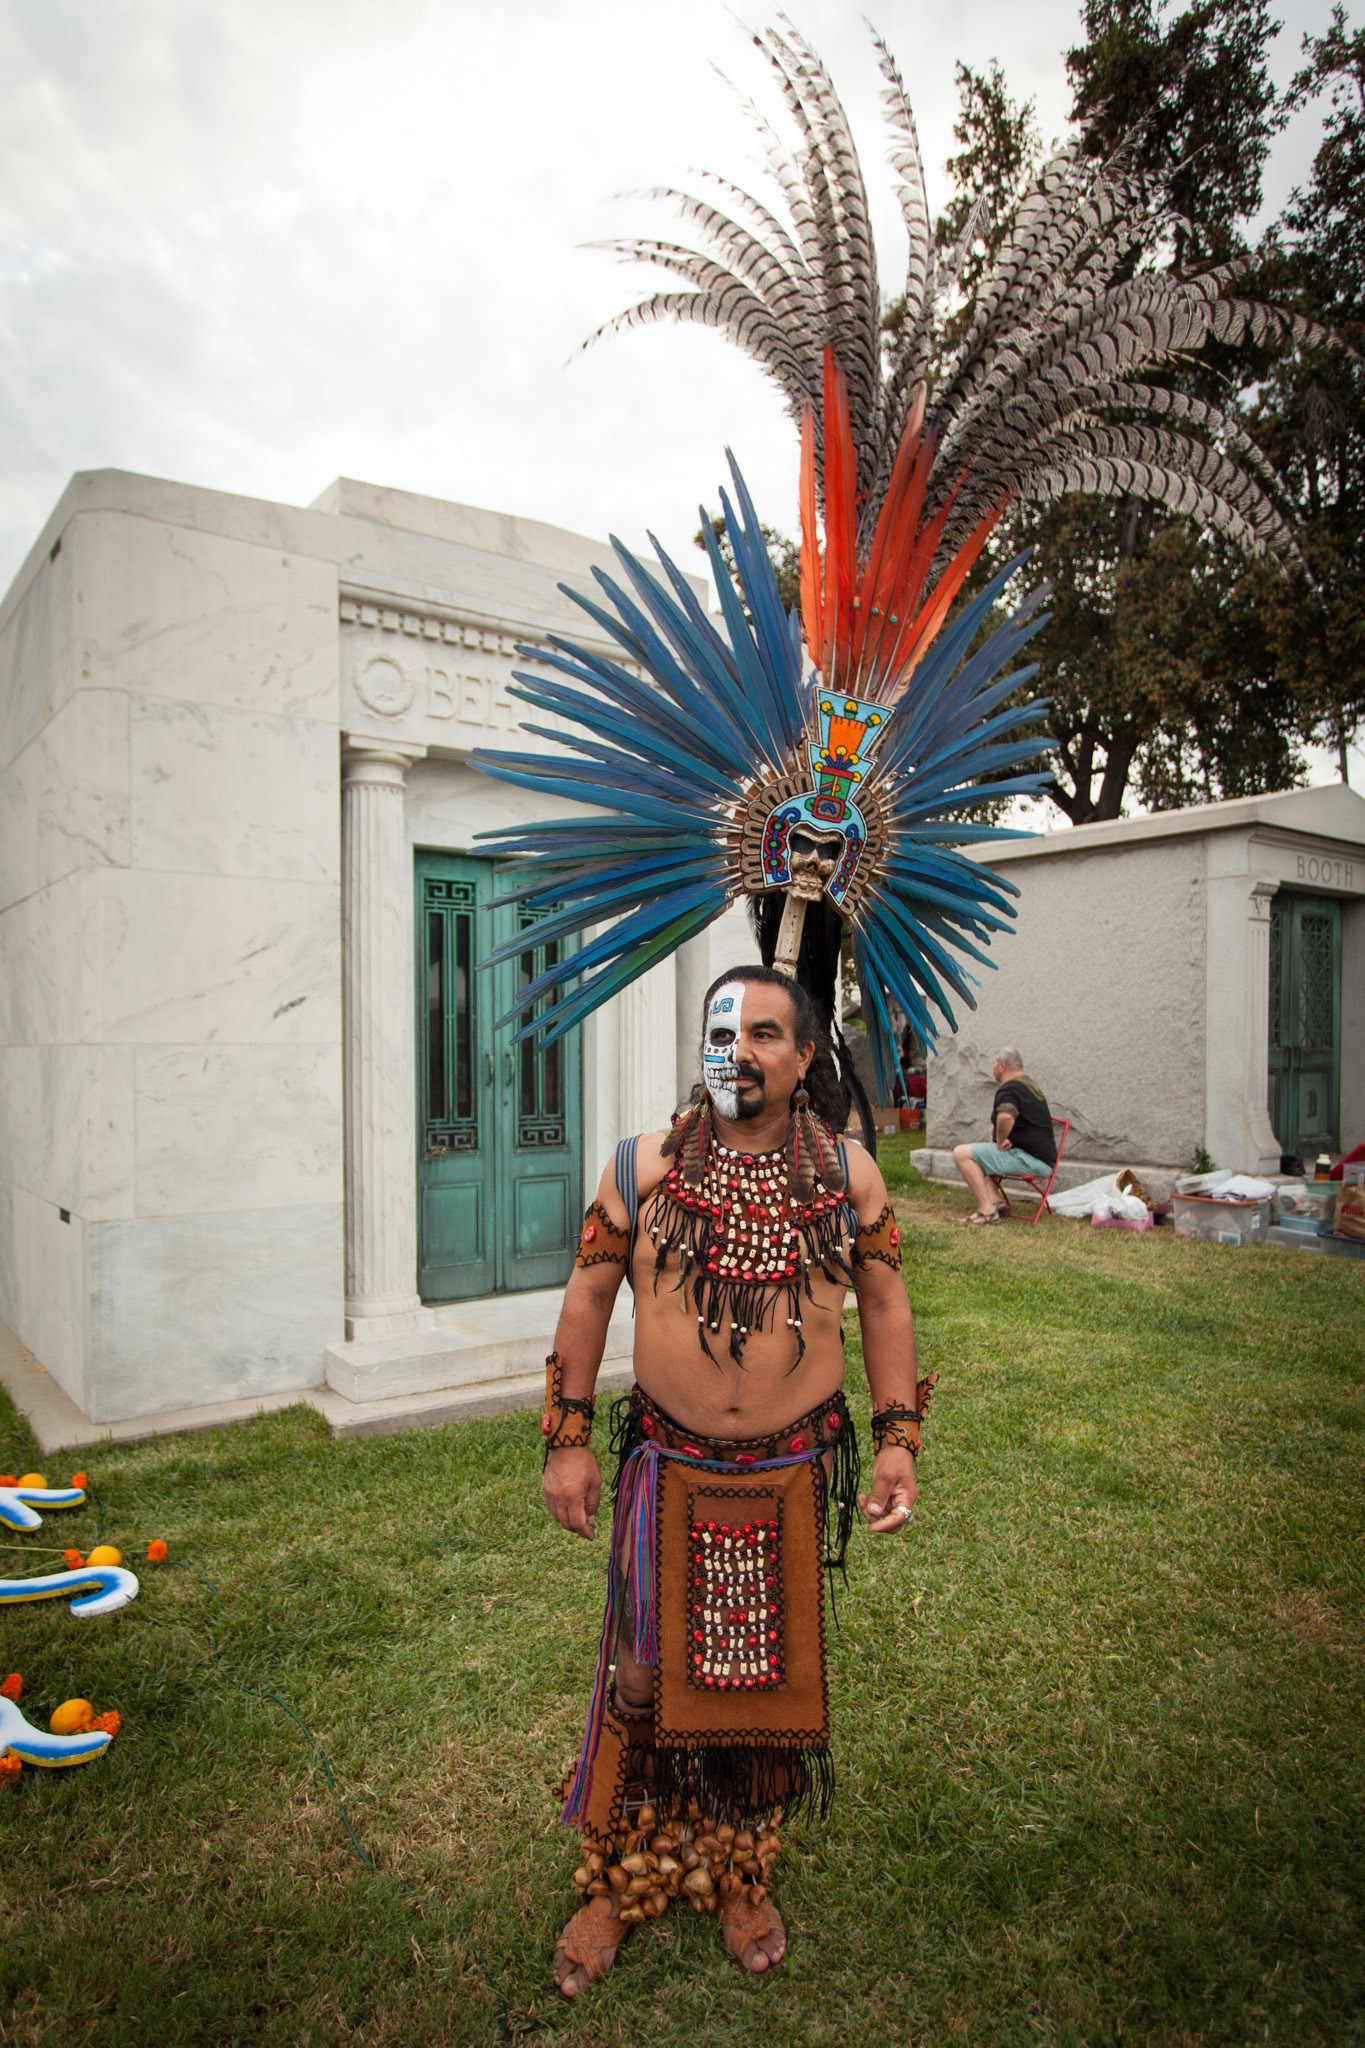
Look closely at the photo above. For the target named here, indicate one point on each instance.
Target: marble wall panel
(19, 784)
(64, 798)
(1102, 988)
(42, 1296)
(226, 792)
(204, 959)
(66, 1125)
(39, 659)
(237, 1127)
(191, 1309)
(170, 612)
(9, 1270)
(48, 972)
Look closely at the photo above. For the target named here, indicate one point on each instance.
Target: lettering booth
(261, 1137)
(1194, 978)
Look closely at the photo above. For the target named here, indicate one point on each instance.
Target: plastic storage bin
(1307, 1204)
(1220, 1222)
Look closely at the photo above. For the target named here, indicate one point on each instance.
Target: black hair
(829, 1096)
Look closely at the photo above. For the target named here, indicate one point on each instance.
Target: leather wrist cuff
(566, 1424)
(897, 1428)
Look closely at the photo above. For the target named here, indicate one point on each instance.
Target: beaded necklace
(744, 1245)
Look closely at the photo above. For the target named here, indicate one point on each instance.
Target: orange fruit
(72, 1717)
(105, 1553)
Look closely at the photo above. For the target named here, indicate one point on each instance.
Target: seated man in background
(1021, 1138)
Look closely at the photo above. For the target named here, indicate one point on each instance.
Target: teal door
(499, 1139)
(1305, 1022)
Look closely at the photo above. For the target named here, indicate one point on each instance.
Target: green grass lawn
(1098, 1715)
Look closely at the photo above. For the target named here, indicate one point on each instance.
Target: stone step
(937, 1165)
(467, 1344)
(59, 1425)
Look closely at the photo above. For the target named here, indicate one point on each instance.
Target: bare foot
(587, 1947)
(754, 1934)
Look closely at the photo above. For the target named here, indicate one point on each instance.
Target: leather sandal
(744, 1923)
(981, 1216)
(589, 1943)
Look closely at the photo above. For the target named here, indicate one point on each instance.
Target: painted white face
(718, 1048)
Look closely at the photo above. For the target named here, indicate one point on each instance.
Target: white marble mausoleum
(1195, 978)
(260, 1135)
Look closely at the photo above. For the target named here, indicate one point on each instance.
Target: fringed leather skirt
(636, 1420)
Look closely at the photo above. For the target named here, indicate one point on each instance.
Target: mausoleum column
(377, 1026)
(1237, 1127)
(647, 1070)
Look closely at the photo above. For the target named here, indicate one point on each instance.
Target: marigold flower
(79, 1479)
(72, 1559)
(10, 1767)
(8, 1479)
(12, 1687)
(107, 1724)
(156, 1550)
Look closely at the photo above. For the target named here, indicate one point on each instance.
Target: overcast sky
(256, 244)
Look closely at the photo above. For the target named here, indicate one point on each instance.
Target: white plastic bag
(1205, 1183)
(1081, 1201)
(1244, 1187)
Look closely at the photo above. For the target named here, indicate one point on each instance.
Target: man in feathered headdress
(820, 763)
(740, 1230)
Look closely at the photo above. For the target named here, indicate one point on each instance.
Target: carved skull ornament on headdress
(813, 857)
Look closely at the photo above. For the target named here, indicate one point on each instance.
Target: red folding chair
(1033, 1179)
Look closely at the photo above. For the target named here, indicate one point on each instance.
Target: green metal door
(1305, 1022)
(499, 1140)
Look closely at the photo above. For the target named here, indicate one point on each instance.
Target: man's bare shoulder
(866, 1188)
(650, 1168)
(650, 1163)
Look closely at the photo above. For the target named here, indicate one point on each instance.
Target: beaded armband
(897, 1428)
(566, 1424)
(601, 1242)
(881, 1241)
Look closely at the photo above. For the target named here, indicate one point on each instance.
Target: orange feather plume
(868, 624)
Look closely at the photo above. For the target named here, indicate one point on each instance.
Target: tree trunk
(1118, 762)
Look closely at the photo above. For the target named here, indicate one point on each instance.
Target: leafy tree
(1199, 87)
(1156, 660)
(1308, 410)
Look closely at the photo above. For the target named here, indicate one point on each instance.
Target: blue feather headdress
(720, 769)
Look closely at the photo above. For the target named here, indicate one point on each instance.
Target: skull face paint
(719, 1070)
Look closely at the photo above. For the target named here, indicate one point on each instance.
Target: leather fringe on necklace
(749, 1228)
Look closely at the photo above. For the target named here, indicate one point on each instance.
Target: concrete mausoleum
(260, 1136)
(1191, 979)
